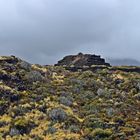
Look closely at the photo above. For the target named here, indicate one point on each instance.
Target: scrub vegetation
(52, 103)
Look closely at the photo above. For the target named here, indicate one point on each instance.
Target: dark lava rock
(14, 98)
(81, 60)
(3, 108)
(4, 77)
(21, 87)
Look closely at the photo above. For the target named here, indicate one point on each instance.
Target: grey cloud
(43, 31)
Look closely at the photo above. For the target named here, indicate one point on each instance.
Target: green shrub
(100, 133)
(22, 125)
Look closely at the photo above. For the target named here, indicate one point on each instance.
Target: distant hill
(127, 61)
(81, 60)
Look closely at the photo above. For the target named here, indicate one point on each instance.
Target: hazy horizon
(43, 32)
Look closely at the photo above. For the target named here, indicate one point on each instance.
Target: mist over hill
(123, 62)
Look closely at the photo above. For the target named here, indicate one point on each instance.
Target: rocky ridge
(85, 62)
(81, 60)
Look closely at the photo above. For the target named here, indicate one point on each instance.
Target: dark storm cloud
(42, 31)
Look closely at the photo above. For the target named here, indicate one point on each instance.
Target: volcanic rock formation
(81, 60)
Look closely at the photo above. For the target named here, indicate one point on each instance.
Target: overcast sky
(43, 31)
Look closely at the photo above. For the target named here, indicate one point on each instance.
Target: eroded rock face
(81, 60)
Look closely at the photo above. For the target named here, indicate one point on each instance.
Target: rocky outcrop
(81, 60)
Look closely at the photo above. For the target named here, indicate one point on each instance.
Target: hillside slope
(51, 103)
